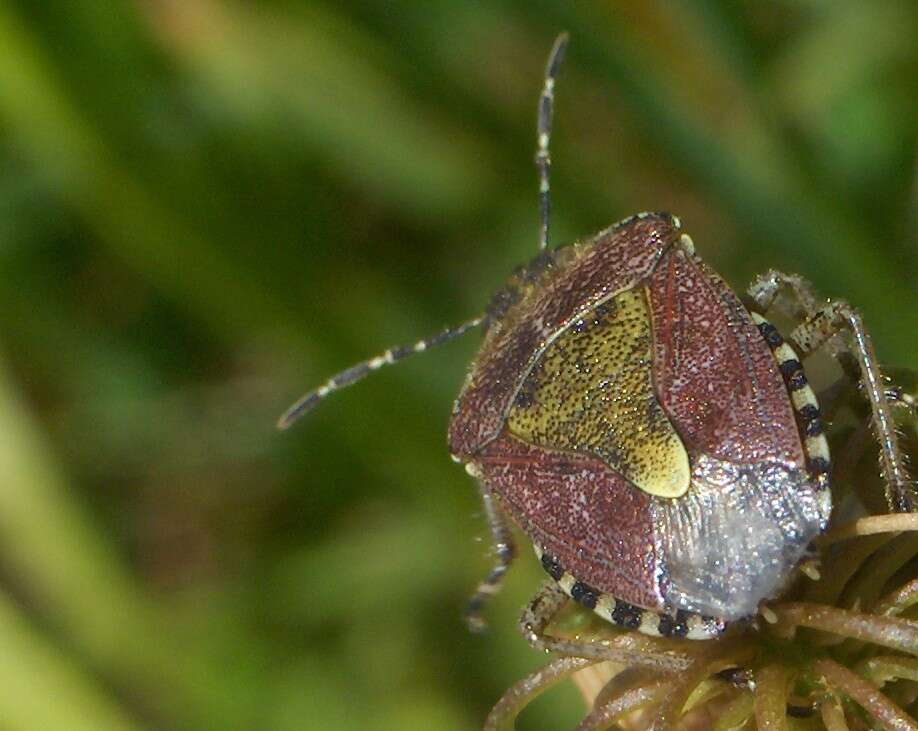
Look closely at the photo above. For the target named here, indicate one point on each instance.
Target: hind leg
(822, 325)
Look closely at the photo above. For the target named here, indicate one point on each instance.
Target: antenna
(543, 157)
(361, 370)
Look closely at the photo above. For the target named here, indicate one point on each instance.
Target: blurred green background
(207, 206)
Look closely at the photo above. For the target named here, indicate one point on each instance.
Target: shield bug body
(654, 436)
(658, 444)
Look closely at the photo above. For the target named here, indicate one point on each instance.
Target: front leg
(823, 322)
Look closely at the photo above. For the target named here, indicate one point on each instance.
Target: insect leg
(824, 321)
(859, 356)
(504, 549)
(543, 158)
(766, 287)
(362, 370)
(549, 600)
(795, 298)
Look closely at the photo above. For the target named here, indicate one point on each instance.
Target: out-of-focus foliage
(206, 206)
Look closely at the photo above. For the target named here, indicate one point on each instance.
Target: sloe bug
(652, 433)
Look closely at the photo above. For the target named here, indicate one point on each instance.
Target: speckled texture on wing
(591, 391)
(579, 276)
(751, 510)
(582, 512)
(716, 377)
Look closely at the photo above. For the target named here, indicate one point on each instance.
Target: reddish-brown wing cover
(578, 509)
(715, 375)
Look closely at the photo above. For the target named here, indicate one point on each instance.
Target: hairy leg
(823, 323)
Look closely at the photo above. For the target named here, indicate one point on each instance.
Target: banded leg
(546, 604)
(543, 158)
(505, 551)
(824, 322)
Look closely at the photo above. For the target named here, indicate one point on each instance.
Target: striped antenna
(543, 158)
(357, 372)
